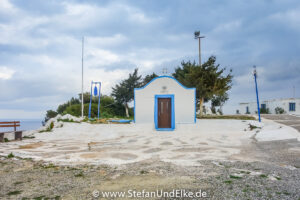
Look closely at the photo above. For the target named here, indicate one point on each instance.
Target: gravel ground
(275, 174)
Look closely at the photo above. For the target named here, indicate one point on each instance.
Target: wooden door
(164, 112)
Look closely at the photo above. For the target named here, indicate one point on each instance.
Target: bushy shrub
(50, 114)
(220, 111)
(213, 110)
(279, 110)
(11, 155)
(51, 125)
(264, 111)
(74, 110)
(109, 108)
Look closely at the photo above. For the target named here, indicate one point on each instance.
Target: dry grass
(237, 117)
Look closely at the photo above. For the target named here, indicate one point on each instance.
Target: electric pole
(82, 78)
(199, 37)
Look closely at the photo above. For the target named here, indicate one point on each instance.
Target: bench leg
(1, 137)
(18, 135)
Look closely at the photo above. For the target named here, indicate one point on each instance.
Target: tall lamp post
(257, 99)
(199, 37)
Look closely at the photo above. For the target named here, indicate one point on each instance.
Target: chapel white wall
(184, 101)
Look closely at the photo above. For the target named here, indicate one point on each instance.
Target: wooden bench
(14, 124)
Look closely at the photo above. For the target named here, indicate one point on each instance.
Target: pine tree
(123, 92)
(208, 79)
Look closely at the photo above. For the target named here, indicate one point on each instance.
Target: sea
(26, 124)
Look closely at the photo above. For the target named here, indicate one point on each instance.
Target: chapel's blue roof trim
(163, 77)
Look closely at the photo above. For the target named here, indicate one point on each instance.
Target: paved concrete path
(288, 120)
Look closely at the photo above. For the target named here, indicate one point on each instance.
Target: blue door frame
(171, 96)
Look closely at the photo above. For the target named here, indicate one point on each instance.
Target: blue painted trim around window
(292, 106)
(172, 112)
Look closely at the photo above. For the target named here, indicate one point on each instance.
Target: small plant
(263, 176)
(27, 158)
(51, 165)
(80, 174)
(39, 198)
(18, 183)
(264, 111)
(235, 177)
(67, 120)
(16, 192)
(245, 172)
(279, 110)
(28, 137)
(251, 127)
(143, 172)
(245, 190)
(11, 155)
(85, 119)
(228, 181)
(278, 178)
(49, 128)
(6, 140)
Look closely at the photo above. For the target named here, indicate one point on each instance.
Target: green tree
(218, 100)
(123, 91)
(279, 110)
(148, 78)
(208, 79)
(50, 114)
(61, 108)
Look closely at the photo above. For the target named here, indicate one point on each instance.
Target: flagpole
(82, 78)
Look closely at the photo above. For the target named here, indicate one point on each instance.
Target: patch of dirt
(178, 157)
(68, 148)
(181, 142)
(212, 140)
(124, 156)
(31, 146)
(166, 143)
(198, 149)
(151, 181)
(148, 142)
(92, 155)
(153, 150)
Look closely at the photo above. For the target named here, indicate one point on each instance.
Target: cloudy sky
(40, 46)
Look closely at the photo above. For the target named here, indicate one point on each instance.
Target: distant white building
(290, 106)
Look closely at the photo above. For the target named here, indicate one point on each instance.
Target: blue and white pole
(96, 85)
(257, 99)
(99, 100)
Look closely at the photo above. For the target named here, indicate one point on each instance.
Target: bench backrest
(14, 124)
